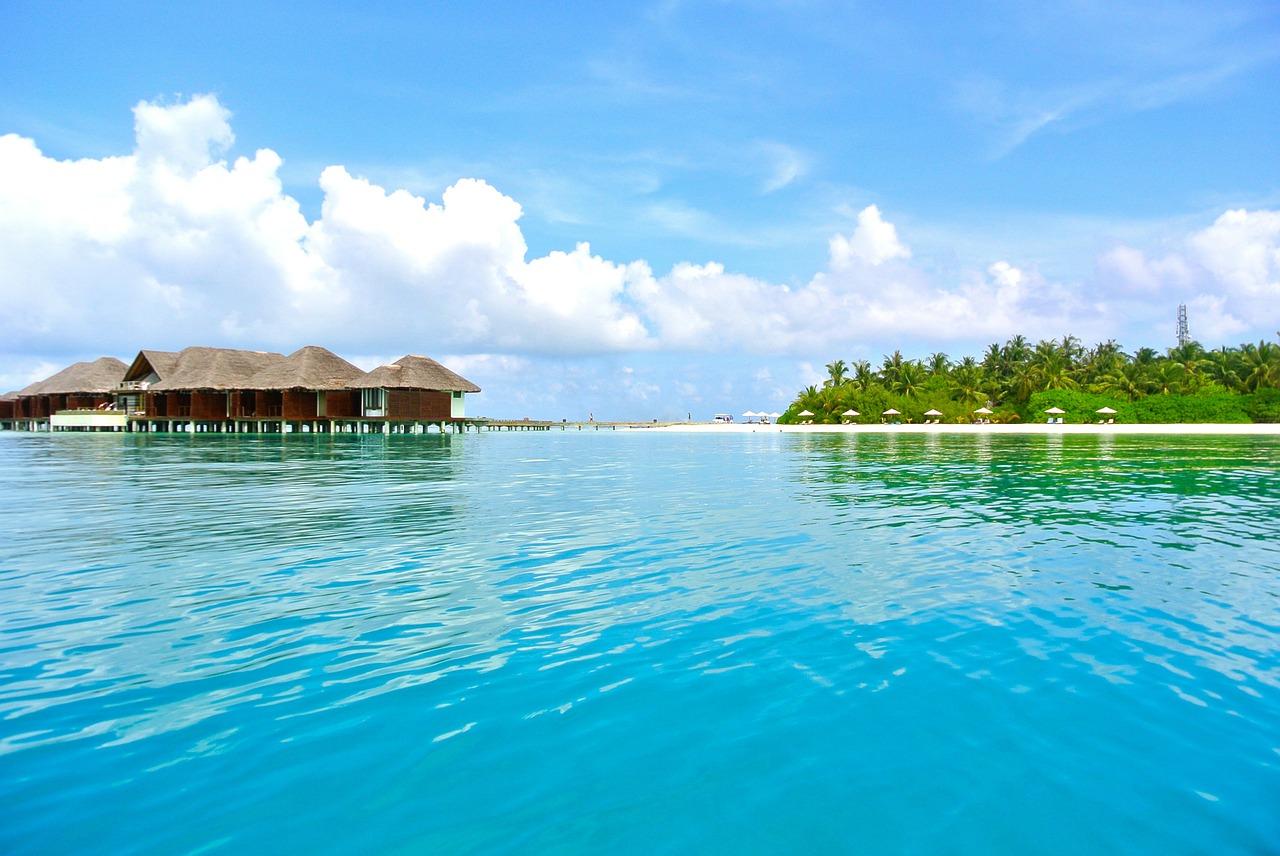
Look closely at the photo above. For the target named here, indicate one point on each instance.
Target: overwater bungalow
(202, 389)
(8, 402)
(78, 396)
(411, 389)
(199, 384)
(311, 383)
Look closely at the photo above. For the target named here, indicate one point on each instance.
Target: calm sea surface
(639, 643)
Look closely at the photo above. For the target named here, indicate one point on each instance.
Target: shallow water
(639, 643)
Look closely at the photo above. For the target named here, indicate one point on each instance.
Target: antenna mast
(1184, 334)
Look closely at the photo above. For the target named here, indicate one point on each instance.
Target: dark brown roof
(414, 372)
(214, 368)
(99, 376)
(311, 367)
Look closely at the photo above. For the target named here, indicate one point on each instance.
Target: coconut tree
(911, 378)
(966, 383)
(891, 368)
(836, 373)
(863, 375)
(1259, 366)
(1016, 350)
(1223, 367)
(1050, 367)
(1125, 381)
(1165, 378)
(1099, 361)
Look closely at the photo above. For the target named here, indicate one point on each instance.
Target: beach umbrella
(774, 415)
(933, 412)
(892, 412)
(1055, 410)
(851, 412)
(805, 413)
(983, 410)
(1106, 410)
(750, 414)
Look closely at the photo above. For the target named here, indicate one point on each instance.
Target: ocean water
(639, 642)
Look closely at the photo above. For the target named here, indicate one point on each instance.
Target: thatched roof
(162, 363)
(311, 367)
(415, 372)
(99, 376)
(214, 368)
(10, 396)
(29, 390)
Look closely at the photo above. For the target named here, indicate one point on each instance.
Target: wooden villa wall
(39, 406)
(342, 403)
(270, 404)
(44, 406)
(299, 404)
(86, 402)
(409, 404)
(208, 406)
(289, 404)
(7, 407)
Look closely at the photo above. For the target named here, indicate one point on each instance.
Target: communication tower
(1184, 333)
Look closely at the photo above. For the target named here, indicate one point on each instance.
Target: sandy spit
(1260, 429)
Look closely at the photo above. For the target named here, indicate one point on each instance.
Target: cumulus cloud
(873, 242)
(176, 244)
(1228, 274)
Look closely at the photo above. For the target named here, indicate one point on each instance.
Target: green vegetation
(1018, 382)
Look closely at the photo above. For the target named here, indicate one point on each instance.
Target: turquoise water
(639, 643)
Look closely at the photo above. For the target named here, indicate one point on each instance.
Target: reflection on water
(574, 642)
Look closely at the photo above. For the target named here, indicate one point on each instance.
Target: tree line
(1018, 381)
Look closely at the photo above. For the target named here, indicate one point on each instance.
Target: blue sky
(640, 210)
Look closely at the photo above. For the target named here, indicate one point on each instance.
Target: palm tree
(1101, 360)
(836, 373)
(1260, 366)
(1016, 349)
(863, 376)
(1124, 382)
(809, 399)
(891, 369)
(910, 379)
(1050, 367)
(1223, 367)
(966, 383)
(1072, 350)
(1145, 356)
(1166, 378)
(938, 363)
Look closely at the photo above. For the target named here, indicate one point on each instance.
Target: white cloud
(1242, 251)
(171, 245)
(1228, 274)
(1129, 271)
(183, 136)
(874, 242)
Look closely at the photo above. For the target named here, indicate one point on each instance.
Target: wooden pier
(115, 421)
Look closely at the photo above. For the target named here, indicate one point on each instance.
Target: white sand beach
(1260, 429)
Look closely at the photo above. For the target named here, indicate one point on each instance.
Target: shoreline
(1209, 428)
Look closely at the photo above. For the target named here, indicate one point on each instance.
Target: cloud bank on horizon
(175, 244)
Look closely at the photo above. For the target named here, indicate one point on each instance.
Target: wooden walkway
(186, 425)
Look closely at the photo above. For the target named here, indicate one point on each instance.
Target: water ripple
(639, 642)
